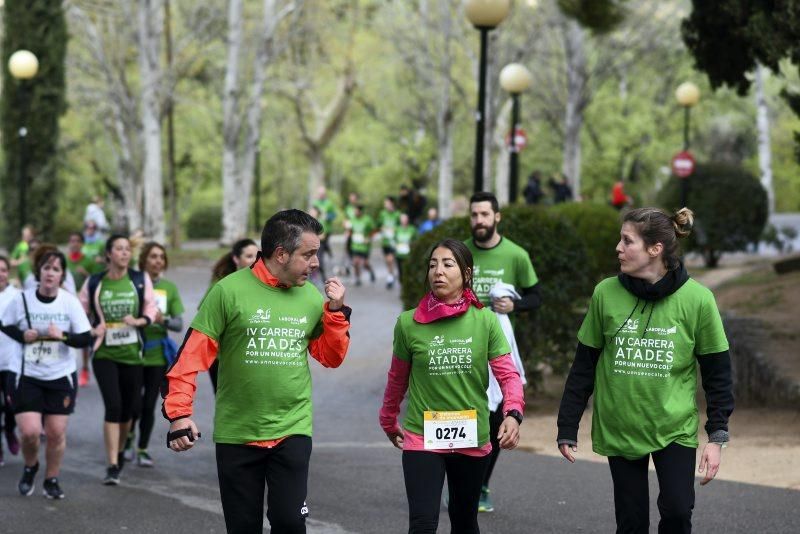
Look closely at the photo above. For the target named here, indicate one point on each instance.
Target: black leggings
(152, 376)
(7, 385)
(424, 474)
(675, 469)
(243, 471)
(120, 385)
(495, 420)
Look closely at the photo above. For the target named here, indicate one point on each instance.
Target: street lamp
(23, 66)
(485, 15)
(687, 94)
(515, 79)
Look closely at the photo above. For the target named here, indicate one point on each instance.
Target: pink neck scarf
(431, 309)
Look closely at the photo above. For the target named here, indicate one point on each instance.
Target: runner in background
(638, 351)
(121, 303)
(94, 213)
(499, 262)
(324, 247)
(10, 353)
(350, 214)
(94, 246)
(243, 254)
(80, 267)
(262, 324)
(20, 251)
(25, 265)
(362, 228)
(389, 219)
(444, 348)
(431, 222)
(159, 350)
(406, 233)
(47, 321)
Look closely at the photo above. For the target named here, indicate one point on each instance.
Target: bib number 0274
(450, 430)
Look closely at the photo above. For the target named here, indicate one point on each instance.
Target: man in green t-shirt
(362, 228)
(497, 259)
(261, 324)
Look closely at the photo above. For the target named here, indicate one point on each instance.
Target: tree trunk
(573, 118)
(764, 149)
(444, 117)
(502, 163)
(316, 171)
(149, 34)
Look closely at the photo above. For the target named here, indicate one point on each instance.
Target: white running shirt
(9, 348)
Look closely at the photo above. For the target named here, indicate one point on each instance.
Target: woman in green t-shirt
(638, 350)
(153, 260)
(443, 350)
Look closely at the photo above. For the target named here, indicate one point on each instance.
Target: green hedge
(205, 222)
(562, 264)
(598, 227)
(730, 209)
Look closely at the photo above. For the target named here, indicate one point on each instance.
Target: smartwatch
(515, 414)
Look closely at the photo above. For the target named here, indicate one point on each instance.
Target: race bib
(120, 334)
(403, 248)
(41, 352)
(451, 430)
(359, 239)
(161, 300)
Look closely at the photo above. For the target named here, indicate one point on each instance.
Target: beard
(483, 233)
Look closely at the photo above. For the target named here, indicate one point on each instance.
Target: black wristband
(515, 414)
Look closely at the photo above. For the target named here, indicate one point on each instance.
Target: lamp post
(687, 94)
(23, 66)
(485, 15)
(515, 79)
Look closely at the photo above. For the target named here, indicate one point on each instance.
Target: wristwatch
(515, 414)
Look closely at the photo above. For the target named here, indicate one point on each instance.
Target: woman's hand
(30, 336)
(709, 461)
(396, 437)
(54, 332)
(566, 451)
(509, 433)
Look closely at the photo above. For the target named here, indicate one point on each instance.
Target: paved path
(356, 483)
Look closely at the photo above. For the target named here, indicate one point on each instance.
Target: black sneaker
(26, 482)
(112, 476)
(51, 489)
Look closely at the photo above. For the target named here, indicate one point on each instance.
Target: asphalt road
(356, 483)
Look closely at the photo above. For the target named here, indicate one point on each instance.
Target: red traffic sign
(683, 164)
(520, 140)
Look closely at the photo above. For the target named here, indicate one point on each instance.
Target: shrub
(561, 263)
(730, 208)
(598, 227)
(205, 222)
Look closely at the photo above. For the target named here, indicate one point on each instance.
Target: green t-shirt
(24, 269)
(404, 236)
(121, 343)
(264, 387)
(389, 221)
(350, 212)
(449, 364)
(170, 305)
(327, 211)
(507, 262)
(20, 250)
(92, 251)
(362, 228)
(645, 382)
(73, 265)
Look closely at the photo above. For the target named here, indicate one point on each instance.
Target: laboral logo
(494, 272)
(106, 294)
(631, 326)
(294, 320)
(663, 331)
(437, 341)
(462, 341)
(261, 316)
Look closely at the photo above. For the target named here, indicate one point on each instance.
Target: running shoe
(485, 502)
(51, 489)
(144, 459)
(128, 452)
(389, 282)
(26, 482)
(112, 476)
(13, 442)
(83, 378)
